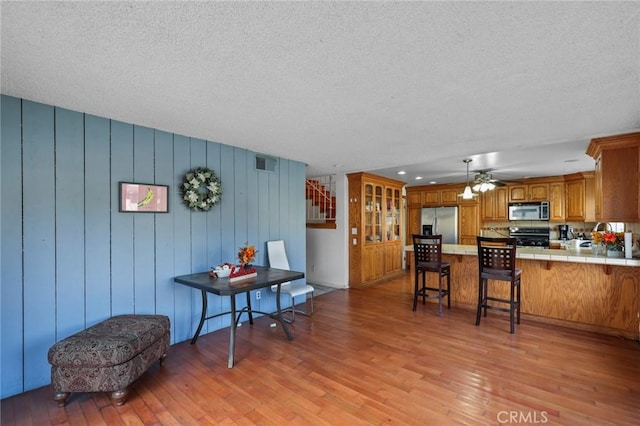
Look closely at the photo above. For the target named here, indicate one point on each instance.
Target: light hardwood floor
(366, 358)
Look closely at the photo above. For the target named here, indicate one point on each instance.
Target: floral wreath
(201, 189)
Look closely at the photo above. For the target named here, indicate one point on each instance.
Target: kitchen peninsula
(569, 287)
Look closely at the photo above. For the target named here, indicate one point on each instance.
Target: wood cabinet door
(469, 223)
(449, 196)
(557, 202)
(501, 204)
(539, 192)
(575, 200)
(487, 205)
(414, 198)
(431, 197)
(517, 193)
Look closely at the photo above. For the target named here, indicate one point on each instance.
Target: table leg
(249, 308)
(232, 332)
(203, 315)
(279, 315)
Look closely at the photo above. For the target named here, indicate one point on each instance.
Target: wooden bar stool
(497, 261)
(427, 252)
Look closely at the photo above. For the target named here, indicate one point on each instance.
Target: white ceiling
(519, 87)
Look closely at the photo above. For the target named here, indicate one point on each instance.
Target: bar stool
(427, 252)
(497, 261)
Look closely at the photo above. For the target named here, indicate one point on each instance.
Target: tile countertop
(575, 255)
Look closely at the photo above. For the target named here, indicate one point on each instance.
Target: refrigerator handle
(435, 226)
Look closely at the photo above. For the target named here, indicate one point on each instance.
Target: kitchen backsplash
(500, 229)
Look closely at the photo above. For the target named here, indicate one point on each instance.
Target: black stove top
(530, 237)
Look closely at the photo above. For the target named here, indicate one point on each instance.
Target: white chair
(278, 259)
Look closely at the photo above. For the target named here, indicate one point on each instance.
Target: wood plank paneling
(39, 204)
(143, 225)
(11, 273)
(97, 189)
(71, 259)
(122, 230)
(69, 217)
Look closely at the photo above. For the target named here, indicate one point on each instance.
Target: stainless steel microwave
(538, 210)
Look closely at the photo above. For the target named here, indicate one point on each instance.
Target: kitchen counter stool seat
(427, 252)
(497, 261)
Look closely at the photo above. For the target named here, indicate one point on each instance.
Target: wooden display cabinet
(617, 177)
(580, 206)
(375, 223)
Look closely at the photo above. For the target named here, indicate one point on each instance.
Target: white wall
(327, 251)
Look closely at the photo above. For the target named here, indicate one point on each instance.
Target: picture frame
(143, 198)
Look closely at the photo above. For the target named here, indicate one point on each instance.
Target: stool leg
(448, 289)
(440, 294)
(415, 291)
(518, 293)
(480, 292)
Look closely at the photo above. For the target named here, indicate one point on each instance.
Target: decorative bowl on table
(223, 271)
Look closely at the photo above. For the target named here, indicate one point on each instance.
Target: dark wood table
(222, 287)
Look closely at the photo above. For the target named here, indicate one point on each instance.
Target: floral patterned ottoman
(108, 356)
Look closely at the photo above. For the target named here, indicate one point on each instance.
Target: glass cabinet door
(368, 214)
(378, 214)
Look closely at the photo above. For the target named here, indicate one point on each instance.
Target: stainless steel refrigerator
(443, 221)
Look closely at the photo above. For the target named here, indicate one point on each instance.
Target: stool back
(427, 248)
(496, 257)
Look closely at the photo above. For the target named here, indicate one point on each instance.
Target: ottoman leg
(61, 398)
(164, 355)
(119, 397)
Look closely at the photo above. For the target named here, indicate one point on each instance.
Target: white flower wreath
(201, 189)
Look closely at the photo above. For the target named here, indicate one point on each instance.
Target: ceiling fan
(484, 181)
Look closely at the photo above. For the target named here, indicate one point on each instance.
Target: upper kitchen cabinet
(617, 177)
(440, 197)
(375, 223)
(580, 200)
(557, 202)
(494, 205)
(530, 192)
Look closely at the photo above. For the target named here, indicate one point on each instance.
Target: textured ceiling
(368, 86)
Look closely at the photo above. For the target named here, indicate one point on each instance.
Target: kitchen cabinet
(441, 197)
(375, 223)
(580, 205)
(468, 223)
(557, 202)
(494, 205)
(530, 192)
(617, 177)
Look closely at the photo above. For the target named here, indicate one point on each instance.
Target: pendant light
(468, 194)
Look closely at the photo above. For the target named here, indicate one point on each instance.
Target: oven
(530, 237)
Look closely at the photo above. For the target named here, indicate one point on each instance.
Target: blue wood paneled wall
(70, 259)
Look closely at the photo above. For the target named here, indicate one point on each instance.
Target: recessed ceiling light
(570, 161)
(402, 172)
(433, 182)
(418, 177)
(337, 166)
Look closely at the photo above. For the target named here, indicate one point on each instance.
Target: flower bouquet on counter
(246, 255)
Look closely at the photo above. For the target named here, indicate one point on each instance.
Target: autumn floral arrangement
(246, 255)
(614, 241)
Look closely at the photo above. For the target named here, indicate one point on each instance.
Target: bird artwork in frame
(143, 198)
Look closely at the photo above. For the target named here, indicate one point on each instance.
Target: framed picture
(144, 198)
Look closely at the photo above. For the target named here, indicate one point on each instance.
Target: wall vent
(266, 163)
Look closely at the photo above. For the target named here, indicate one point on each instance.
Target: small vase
(614, 253)
(599, 249)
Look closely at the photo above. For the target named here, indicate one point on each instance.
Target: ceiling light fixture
(483, 187)
(467, 194)
(402, 172)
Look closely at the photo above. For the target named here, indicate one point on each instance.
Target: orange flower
(247, 254)
(614, 240)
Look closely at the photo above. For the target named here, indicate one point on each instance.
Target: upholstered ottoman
(108, 356)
